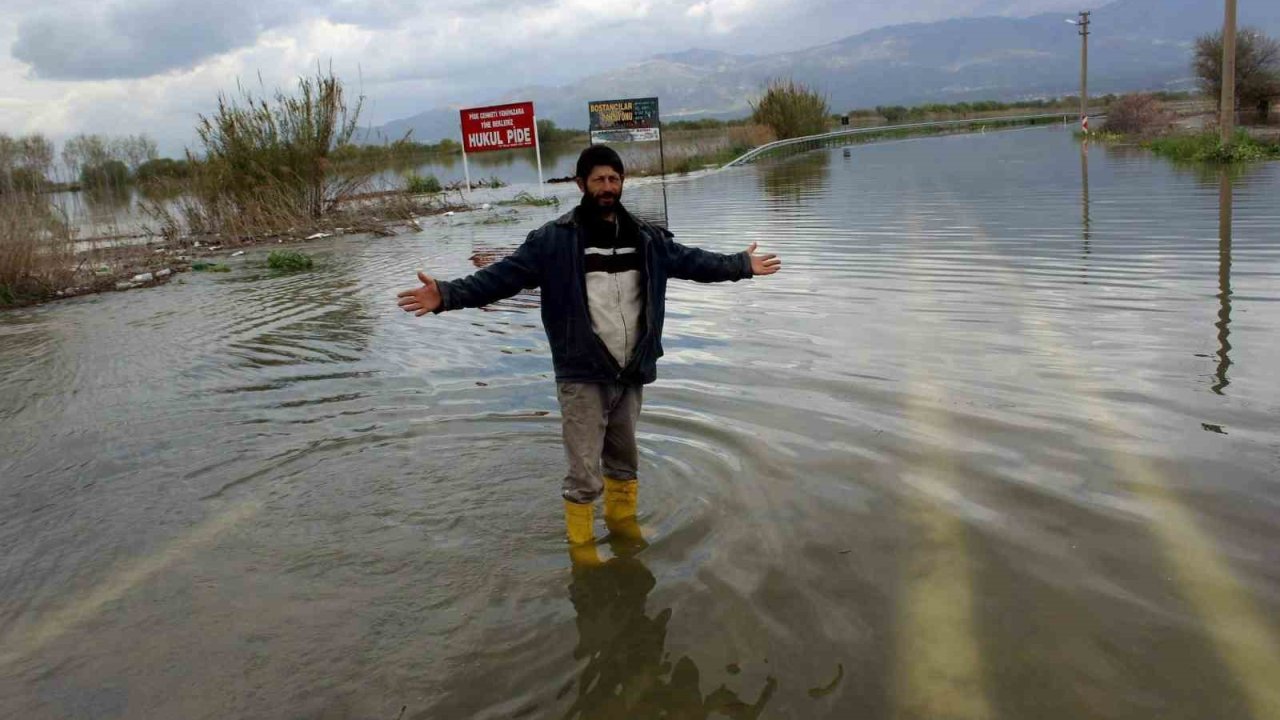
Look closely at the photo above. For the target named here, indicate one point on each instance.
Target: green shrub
(893, 113)
(548, 133)
(22, 180)
(419, 185)
(791, 109)
(1208, 148)
(107, 174)
(162, 169)
(288, 260)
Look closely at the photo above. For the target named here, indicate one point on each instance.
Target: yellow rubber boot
(578, 524)
(620, 515)
(620, 499)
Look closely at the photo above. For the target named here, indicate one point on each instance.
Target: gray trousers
(599, 423)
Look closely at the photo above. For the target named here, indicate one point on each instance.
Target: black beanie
(595, 156)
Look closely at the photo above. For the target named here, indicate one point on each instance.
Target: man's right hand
(421, 300)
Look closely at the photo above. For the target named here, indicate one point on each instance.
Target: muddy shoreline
(129, 262)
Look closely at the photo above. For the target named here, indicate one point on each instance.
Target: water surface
(1001, 441)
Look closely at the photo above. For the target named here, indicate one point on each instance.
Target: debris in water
(1213, 428)
(819, 692)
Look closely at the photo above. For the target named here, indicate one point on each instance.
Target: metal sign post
(537, 148)
(662, 163)
(466, 172)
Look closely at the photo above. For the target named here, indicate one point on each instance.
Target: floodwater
(1001, 441)
(122, 212)
(558, 160)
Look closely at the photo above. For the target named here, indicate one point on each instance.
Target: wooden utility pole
(1227, 116)
(1083, 25)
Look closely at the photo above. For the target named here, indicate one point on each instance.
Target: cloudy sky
(129, 66)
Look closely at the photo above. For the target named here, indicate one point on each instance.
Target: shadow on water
(628, 673)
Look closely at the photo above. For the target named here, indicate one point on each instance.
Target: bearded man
(603, 278)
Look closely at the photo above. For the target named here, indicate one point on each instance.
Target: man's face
(603, 187)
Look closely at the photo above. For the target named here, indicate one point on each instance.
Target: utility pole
(1083, 25)
(1227, 110)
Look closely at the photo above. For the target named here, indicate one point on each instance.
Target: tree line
(32, 163)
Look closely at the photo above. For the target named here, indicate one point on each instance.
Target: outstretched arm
(505, 278)
(690, 263)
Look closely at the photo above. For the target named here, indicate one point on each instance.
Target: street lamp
(1083, 25)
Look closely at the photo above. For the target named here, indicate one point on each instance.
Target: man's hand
(422, 300)
(763, 264)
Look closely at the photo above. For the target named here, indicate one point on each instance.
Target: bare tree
(133, 150)
(84, 151)
(24, 162)
(1257, 68)
(36, 153)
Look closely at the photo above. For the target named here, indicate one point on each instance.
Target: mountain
(1135, 44)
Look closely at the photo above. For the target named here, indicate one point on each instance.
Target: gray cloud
(122, 66)
(79, 40)
(140, 39)
(136, 39)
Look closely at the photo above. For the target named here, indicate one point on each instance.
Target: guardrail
(823, 138)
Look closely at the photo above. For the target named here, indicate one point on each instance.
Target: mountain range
(1134, 45)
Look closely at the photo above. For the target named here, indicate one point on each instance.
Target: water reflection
(1086, 230)
(794, 178)
(511, 166)
(1225, 198)
(628, 673)
(108, 199)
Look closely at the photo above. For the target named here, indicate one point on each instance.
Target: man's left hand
(763, 264)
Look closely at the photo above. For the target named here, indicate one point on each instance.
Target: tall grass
(268, 162)
(37, 250)
(791, 109)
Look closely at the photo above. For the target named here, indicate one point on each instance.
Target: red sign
(498, 127)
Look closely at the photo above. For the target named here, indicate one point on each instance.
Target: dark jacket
(551, 258)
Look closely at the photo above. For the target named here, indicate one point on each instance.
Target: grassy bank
(41, 258)
(1209, 148)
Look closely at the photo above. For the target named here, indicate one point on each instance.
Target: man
(603, 278)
